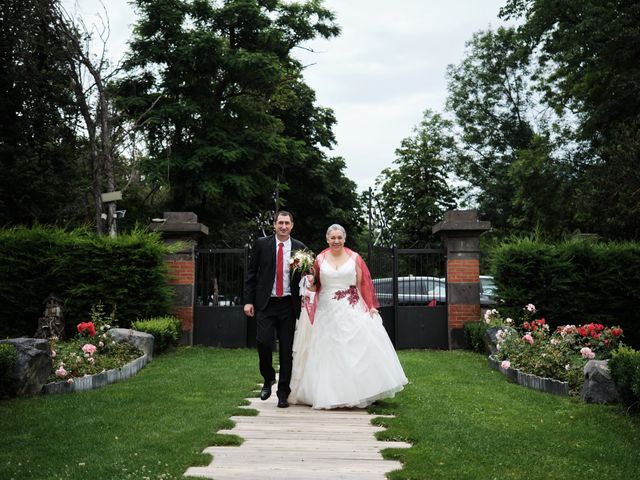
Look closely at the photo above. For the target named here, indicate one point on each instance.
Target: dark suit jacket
(262, 271)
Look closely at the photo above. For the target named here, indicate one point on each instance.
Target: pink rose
(88, 348)
(61, 372)
(528, 338)
(586, 352)
(53, 353)
(505, 364)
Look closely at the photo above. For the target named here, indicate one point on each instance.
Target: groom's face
(283, 226)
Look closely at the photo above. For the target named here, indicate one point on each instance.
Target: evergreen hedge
(572, 282)
(126, 273)
(166, 331)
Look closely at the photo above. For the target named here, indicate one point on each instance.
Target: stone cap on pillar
(179, 224)
(463, 221)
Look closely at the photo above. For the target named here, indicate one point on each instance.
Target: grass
(469, 422)
(465, 421)
(153, 425)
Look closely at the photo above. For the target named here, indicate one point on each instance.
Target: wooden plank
(301, 443)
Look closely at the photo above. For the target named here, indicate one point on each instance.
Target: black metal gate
(411, 287)
(219, 319)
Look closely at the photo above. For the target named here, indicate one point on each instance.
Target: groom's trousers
(278, 316)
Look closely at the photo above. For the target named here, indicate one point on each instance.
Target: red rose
(526, 325)
(582, 331)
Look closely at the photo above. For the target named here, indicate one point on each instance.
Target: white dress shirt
(286, 281)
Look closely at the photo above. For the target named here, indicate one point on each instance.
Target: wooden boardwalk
(299, 443)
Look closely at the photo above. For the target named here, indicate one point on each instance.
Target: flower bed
(528, 346)
(549, 385)
(92, 359)
(89, 382)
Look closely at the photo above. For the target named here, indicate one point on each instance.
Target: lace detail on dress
(351, 293)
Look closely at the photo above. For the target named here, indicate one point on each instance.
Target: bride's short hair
(335, 226)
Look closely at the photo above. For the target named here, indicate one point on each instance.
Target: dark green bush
(166, 331)
(572, 282)
(126, 273)
(8, 358)
(474, 335)
(624, 365)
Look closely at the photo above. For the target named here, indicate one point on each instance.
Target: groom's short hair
(282, 213)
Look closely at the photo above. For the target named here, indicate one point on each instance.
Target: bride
(342, 355)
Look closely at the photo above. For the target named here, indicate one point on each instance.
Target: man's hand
(248, 310)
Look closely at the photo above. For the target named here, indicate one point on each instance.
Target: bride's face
(335, 239)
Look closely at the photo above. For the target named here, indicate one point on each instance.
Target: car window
(410, 286)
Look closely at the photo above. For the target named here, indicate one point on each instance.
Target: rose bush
(530, 346)
(92, 351)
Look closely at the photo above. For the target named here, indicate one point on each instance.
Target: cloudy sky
(379, 75)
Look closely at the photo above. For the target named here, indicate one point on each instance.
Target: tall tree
(415, 193)
(43, 177)
(234, 122)
(491, 100)
(508, 149)
(589, 51)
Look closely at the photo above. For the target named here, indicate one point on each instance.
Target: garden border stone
(91, 382)
(548, 385)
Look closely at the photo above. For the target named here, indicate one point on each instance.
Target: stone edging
(548, 385)
(90, 382)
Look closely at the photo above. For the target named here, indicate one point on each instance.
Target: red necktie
(280, 271)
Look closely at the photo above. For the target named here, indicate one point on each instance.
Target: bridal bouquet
(302, 261)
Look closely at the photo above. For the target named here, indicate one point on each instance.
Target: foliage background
(126, 274)
(571, 282)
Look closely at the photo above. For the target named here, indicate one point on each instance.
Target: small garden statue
(51, 324)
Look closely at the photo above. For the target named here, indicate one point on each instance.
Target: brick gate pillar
(182, 227)
(460, 231)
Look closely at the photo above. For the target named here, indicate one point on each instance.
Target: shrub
(128, 273)
(8, 358)
(576, 281)
(166, 331)
(625, 372)
(474, 335)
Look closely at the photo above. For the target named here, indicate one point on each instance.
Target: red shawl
(365, 288)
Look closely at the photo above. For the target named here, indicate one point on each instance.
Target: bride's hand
(373, 311)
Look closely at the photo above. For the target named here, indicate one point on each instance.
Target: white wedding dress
(345, 359)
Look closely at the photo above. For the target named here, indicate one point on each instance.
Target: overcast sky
(384, 70)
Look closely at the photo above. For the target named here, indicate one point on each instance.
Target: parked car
(419, 290)
(488, 291)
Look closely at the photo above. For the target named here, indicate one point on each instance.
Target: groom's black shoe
(283, 403)
(266, 390)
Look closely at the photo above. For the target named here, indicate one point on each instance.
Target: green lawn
(153, 425)
(465, 420)
(469, 422)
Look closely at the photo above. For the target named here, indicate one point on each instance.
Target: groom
(272, 295)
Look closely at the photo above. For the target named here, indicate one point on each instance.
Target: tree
(235, 122)
(589, 51)
(415, 194)
(43, 177)
(94, 103)
(490, 97)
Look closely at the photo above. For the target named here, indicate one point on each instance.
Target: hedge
(166, 331)
(572, 282)
(126, 273)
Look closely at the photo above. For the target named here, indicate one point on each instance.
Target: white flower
(509, 320)
(530, 308)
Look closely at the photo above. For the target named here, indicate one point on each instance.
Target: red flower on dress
(351, 293)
